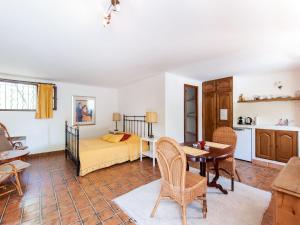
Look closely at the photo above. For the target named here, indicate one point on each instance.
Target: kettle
(241, 120)
(248, 120)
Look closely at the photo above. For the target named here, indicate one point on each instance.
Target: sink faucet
(283, 122)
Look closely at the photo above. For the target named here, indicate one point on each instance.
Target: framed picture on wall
(83, 110)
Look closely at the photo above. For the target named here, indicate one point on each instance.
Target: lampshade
(116, 117)
(151, 117)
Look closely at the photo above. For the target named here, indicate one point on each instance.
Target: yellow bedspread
(96, 153)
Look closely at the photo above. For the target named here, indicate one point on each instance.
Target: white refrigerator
(244, 144)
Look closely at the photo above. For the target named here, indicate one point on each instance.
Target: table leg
(154, 153)
(214, 181)
(202, 167)
(187, 166)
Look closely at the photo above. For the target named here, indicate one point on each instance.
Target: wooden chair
(176, 183)
(225, 135)
(5, 144)
(9, 171)
(17, 145)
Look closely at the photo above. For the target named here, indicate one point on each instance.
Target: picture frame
(83, 110)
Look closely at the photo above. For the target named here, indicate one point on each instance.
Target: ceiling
(66, 41)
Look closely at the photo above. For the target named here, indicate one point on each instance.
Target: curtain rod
(24, 82)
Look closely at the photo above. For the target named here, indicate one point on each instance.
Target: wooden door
(286, 145)
(190, 113)
(265, 144)
(209, 115)
(224, 109)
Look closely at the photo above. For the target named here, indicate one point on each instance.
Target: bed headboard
(136, 125)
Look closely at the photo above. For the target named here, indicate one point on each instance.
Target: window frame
(30, 83)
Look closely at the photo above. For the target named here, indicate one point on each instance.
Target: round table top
(214, 153)
(12, 154)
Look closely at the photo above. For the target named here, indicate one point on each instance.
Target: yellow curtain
(44, 109)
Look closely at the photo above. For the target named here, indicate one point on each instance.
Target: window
(19, 95)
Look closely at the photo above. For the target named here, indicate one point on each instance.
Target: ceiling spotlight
(114, 7)
(106, 19)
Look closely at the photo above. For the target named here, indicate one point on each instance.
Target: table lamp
(151, 117)
(116, 118)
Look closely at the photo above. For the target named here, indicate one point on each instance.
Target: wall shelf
(272, 100)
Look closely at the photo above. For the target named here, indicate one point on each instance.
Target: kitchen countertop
(269, 127)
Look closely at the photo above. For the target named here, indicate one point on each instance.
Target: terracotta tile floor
(53, 195)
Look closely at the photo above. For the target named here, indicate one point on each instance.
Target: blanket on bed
(96, 153)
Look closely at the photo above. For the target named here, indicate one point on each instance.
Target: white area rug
(245, 206)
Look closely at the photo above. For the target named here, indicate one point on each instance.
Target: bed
(91, 154)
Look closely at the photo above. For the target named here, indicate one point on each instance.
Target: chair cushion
(192, 179)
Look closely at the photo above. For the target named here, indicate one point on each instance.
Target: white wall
(263, 84)
(145, 96)
(174, 106)
(48, 134)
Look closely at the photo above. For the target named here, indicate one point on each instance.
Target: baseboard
(267, 164)
(46, 153)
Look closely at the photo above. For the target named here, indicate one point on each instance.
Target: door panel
(224, 109)
(224, 84)
(209, 115)
(265, 140)
(286, 145)
(209, 86)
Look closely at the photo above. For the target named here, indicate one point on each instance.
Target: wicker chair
(17, 145)
(176, 183)
(10, 170)
(5, 144)
(225, 135)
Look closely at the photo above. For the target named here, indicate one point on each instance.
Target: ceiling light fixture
(114, 7)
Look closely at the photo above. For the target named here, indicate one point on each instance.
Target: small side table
(152, 151)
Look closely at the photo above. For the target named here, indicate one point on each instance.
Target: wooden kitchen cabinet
(265, 144)
(286, 194)
(216, 99)
(286, 145)
(276, 145)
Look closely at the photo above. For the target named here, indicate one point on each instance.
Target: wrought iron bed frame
(131, 124)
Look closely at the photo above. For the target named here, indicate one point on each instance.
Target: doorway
(190, 113)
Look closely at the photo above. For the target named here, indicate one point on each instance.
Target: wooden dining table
(216, 153)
